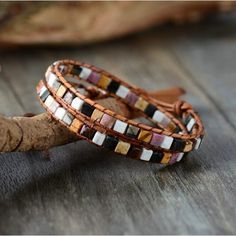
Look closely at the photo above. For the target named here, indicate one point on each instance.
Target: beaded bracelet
(179, 129)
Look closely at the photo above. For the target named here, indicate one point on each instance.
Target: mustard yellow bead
(145, 136)
(104, 82)
(122, 147)
(166, 158)
(141, 104)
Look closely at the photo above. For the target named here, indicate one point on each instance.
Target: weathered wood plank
(85, 190)
(9, 104)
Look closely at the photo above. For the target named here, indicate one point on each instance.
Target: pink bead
(107, 121)
(131, 98)
(93, 78)
(157, 139)
(173, 158)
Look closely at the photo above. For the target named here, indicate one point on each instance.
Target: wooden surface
(83, 189)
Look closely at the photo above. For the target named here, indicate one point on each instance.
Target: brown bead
(145, 136)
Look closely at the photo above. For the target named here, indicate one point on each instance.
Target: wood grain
(86, 190)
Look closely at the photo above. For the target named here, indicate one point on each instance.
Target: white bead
(51, 79)
(146, 154)
(166, 144)
(190, 124)
(122, 91)
(158, 116)
(99, 138)
(53, 106)
(120, 126)
(48, 102)
(85, 73)
(42, 90)
(197, 145)
(60, 113)
(180, 156)
(68, 118)
(77, 103)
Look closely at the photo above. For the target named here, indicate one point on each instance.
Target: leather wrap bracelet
(178, 128)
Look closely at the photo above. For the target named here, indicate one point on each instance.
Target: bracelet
(178, 129)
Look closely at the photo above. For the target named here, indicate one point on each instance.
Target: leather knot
(179, 107)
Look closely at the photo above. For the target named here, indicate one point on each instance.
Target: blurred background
(30, 23)
(156, 45)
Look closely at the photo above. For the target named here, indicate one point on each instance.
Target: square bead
(141, 104)
(107, 121)
(145, 136)
(87, 109)
(50, 77)
(85, 73)
(180, 156)
(172, 127)
(132, 131)
(60, 113)
(53, 107)
(104, 82)
(131, 98)
(49, 101)
(166, 144)
(113, 86)
(134, 152)
(93, 77)
(120, 126)
(77, 103)
(99, 138)
(158, 116)
(146, 154)
(188, 146)
(61, 91)
(198, 143)
(173, 158)
(110, 142)
(165, 121)
(157, 157)
(190, 124)
(53, 81)
(177, 145)
(44, 93)
(76, 125)
(122, 91)
(166, 158)
(87, 132)
(122, 148)
(157, 139)
(68, 97)
(76, 70)
(97, 115)
(68, 118)
(150, 110)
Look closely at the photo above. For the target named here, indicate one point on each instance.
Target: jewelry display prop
(178, 129)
